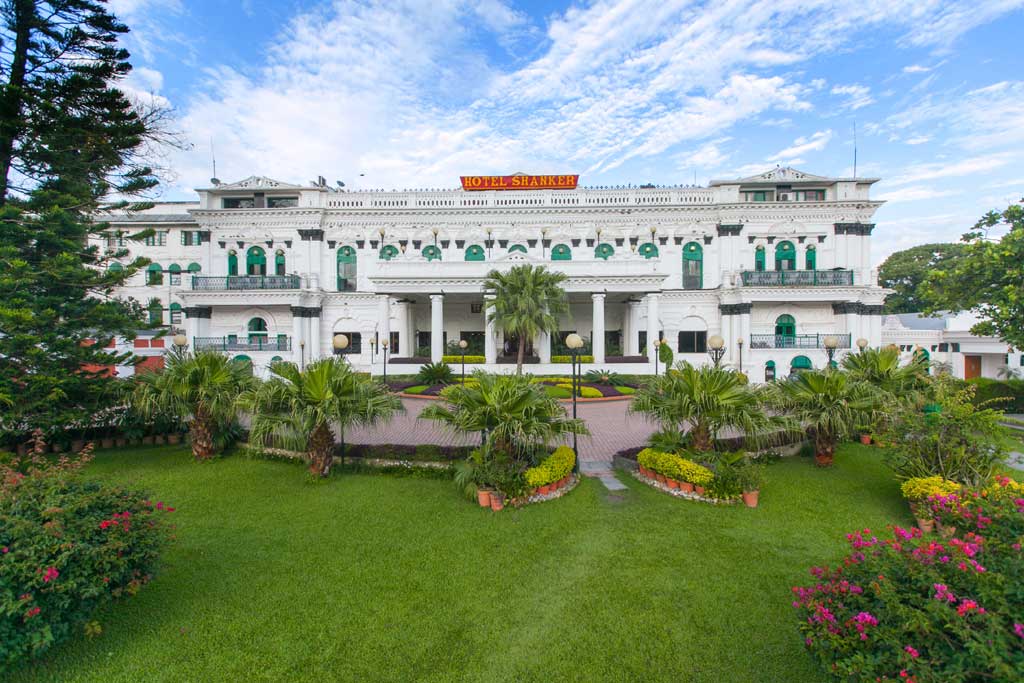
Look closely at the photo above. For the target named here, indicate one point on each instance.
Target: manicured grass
(382, 578)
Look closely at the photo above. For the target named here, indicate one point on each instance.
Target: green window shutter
(759, 259)
(475, 253)
(811, 258)
(693, 266)
(603, 251)
(648, 250)
(431, 253)
(561, 252)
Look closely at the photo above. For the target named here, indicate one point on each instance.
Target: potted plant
(672, 483)
(497, 501)
(917, 491)
(750, 478)
(483, 497)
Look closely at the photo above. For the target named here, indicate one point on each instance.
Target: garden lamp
(384, 350)
(302, 354)
(575, 343)
(716, 349)
(657, 354)
(373, 347)
(340, 343)
(463, 345)
(862, 344)
(831, 343)
(739, 364)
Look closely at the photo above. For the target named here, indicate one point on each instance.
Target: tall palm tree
(881, 367)
(707, 400)
(527, 300)
(199, 388)
(297, 408)
(513, 415)
(830, 404)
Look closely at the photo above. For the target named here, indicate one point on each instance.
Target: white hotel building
(774, 263)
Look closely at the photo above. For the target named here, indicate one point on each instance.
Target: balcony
(253, 343)
(797, 278)
(796, 341)
(236, 282)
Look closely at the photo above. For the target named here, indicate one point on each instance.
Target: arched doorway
(800, 363)
(785, 331)
(256, 261)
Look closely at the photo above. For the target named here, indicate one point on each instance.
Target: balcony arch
(255, 261)
(561, 252)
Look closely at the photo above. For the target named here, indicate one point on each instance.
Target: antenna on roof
(213, 157)
(855, 148)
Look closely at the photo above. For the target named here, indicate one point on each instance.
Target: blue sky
(413, 94)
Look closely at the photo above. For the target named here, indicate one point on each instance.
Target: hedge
(585, 392)
(470, 360)
(556, 466)
(568, 359)
(988, 389)
(674, 467)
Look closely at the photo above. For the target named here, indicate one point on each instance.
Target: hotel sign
(519, 182)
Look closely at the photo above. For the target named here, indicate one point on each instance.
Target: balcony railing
(797, 278)
(253, 343)
(796, 341)
(213, 282)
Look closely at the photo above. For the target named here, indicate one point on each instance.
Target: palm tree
(198, 388)
(707, 399)
(512, 414)
(526, 302)
(297, 408)
(830, 404)
(881, 367)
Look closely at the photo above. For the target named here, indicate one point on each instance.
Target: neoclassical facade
(266, 270)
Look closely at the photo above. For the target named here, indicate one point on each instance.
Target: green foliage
(675, 467)
(470, 360)
(67, 547)
(416, 389)
(668, 440)
(583, 391)
(568, 359)
(665, 354)
(1005, 395)
(526, 301)
(555, 467)
(705, 400)
(882, 368)
(918, 489)
(435, 373)
(986, 277)
(625, 391)
(604, 377)
(559, 391)
(961, 442)
(906, 272)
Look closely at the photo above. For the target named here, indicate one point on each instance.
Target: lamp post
(657, 353)
(574, 342)
(862, 344)
(340, 343)
(739, 343)
(543, 240)
(180, 342)
(373, 349)
(435, 231)
(384, 350)
(831, 343)
(463, 344)
(302, 355)
(716, 349)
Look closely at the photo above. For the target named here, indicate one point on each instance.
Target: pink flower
(50, 575)
(942, 592)
(913, 653)
(32, 612)
(1019, 630)
(968, 605)
(5, 550)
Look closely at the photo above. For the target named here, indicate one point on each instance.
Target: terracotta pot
(120, 441)
(865, 439)
(642, 470)
(77, 445)
(497, 503)
(483, 496)
(661, 478)
(946, 531)
(686, 487)
(147, 441)
(565, 481)
(750, 498)
(926, 525)
(107, 442)
(699, 490)
(672, 484)
(174, 439)
(823, 460)
(545, 489)
(159, 439)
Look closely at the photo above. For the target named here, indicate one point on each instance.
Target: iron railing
(252, 343)
(797, 278)
(213, 282)
(797, 341)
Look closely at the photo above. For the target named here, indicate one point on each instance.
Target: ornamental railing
(797, 278)
(213, 282)
(252, 343)
(796, 341)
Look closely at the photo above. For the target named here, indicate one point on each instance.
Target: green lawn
(384, 578)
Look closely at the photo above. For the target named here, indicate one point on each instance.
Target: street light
(716, 349)
(739, 343)
(435, 231)
(384, 350)
(340, 343)
(831, 343)
(862, 344)
(180, 342)
(463, 344)
(575, 343)
(373, 348)
(302, 355)
(657, 352)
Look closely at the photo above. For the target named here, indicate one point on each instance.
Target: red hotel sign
(519, 182)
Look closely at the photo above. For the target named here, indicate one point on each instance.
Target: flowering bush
(914, 608)
(66, 547)
(556, 466)
(674, 467)
(921, 488)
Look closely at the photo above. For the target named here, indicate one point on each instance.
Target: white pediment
(780, 173)
(258, 182)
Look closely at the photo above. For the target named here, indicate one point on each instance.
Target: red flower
(32, 612)
(50, 575)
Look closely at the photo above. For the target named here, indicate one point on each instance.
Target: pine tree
(69, 140)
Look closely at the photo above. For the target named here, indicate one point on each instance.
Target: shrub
(604, 377)
(568, 359)
(416, 389)
(913, 608)
(584, 392)
(667, 440)
(665, 354)
(555, 467)
(434, 373)
(67, 547)
(917, 489)
(625, 391)
(457, 360)
(428, 452)
(1008, 394)
(674, 467)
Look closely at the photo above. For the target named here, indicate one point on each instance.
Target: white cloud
(857, 96)
(803, 145)
(918, 140)
(916, 173)
(916, 69)
(914, 193)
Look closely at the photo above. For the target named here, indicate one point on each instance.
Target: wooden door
(972, 367)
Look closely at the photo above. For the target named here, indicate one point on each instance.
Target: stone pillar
(298, 333)
(597, 334)
(631, 346)
(627, 327)
(544, 347)
(403, 314)
(436, 327)
(384, 321)
(653, 326)
(315, 344)
(743, 332)
(197, 323)
(490, 338)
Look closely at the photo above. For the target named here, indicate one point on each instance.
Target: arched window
(604, 250)
(257, 331)
(115, 267)
(154, 274)
(279, 264)
(785, 332)
(388, 252)
(175, 313)
(759, 259)
(194, 267)
(431, 253)
(346, 269)
(785, 256)
(561, 252)
(474, 252)
(648, 250)
(800, 363)
(811, 258)
(517, 247)
(255, 261)
(156, 312)
(276, 359)
(232, 262)
(769, 371)
(175, 272)
(693, 266)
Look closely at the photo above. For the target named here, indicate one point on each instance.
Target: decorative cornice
(311, 235)
(306, 311)
(198, 311)
(863, 229)
(733, 229)
(735, 309)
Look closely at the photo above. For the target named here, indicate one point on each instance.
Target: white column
(632, 343)
(490, 339)
(627, 326)
(544, 347)
(191, 330)
(402, 314)
(597, 334)
(297, 337)
(653, 326)
(384, 320)
(315, 343)
(742, 333)
(436, 327)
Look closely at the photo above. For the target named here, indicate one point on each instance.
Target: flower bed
(551, 479)
(558, 387)
(677, 475)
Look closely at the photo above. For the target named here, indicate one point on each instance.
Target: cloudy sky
(406, 94)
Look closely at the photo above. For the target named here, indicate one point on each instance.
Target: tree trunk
(321, 450)
(520, 354)
(201, 435)
(13, 91)
(824, 449)
(700, 438)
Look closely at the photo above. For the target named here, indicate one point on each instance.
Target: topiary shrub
(568, 359)
(625, 391)
(67, 547)
(434, 373)
(555, 467)
(457, 360)
(416, 389)
(558, 391)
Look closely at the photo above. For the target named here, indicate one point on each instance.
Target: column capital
(198, 311)
(306, 311)
(735, 309)
(598, 296)
(437, 297)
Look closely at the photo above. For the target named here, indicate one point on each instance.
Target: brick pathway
(612, 429)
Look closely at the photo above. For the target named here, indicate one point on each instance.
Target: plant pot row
(750, 498)
(77, 445)
(492, 499)
(552, 487)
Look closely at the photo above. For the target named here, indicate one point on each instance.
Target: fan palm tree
(526, 301)
(881, 367)
(513, 415)
(297, 408)
(200, 389)
(830, 404)
(707, 400)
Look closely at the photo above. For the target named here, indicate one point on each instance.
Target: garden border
(564, 400)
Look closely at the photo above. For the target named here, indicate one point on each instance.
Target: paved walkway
(611, 427)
